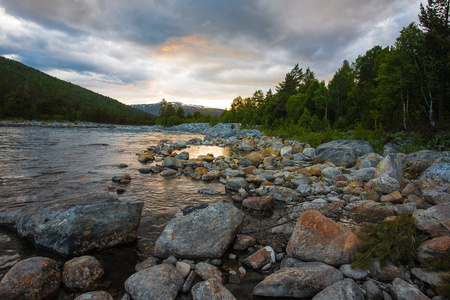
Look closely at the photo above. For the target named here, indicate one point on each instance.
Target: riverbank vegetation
(403, 88)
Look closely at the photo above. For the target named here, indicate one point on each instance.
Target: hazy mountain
(188, 108)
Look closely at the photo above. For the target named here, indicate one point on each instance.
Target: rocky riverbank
(292, 226)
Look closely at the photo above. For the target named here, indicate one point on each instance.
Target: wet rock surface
(292, 223)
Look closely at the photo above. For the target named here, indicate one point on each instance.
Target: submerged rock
(81, 228)
(200, 231)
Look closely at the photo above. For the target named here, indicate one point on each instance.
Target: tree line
(401, 87)
(26, 93)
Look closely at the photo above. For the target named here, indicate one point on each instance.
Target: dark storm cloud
(166, 45)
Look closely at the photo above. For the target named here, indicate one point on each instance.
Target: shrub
(391, 241)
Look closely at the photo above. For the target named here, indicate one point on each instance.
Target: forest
(399, 92)
(26, 93)
(402, 88)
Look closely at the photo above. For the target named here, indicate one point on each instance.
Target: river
(46, 164)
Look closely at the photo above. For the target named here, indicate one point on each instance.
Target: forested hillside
(402, 87)
(31, 94)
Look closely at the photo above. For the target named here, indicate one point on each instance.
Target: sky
(203, 52)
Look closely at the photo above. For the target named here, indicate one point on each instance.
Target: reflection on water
(49, 164)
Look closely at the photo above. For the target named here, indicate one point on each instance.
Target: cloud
(194, 51)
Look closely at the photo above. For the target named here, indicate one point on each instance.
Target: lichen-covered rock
(146, 157)
(342, 152)
(252, 159)
(97, 295)
(200, 231)
(82, 228)
(82, 273)
(211, 289)
(32, 278)
(236, 183)
(436, 177)
(436, 247)
(318, 238)
(418, 162)
(406, 291)
(434, 220)
(436, 197)
(259, 203)
(260, 258)
(385, 184)
(371, 211)
(206, 271)
(158, 282)
(172, 162)
(391, 166)
(370, 160)
(279, 193)
(300, 282)
(345, 289)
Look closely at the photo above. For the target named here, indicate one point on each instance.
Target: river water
(47, 164)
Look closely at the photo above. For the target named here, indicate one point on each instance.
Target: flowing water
(48, 164)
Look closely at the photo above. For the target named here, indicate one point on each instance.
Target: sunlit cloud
(199, 52)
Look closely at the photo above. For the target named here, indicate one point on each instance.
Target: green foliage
(391, 241)
(26, 93)
(440, 263)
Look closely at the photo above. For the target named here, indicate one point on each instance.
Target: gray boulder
(343, 152)
(345, 289)
(419, 161)
(391, 166)
(388, 273)
(97, 295)
(406, 291)
(436, 197)
(81, 228)
(434, 220)
(436, 177)
(385, 184)
(211, 289)
(200, 231)
(301, 282)
(236, 183)
(365, 174)
(158, 282)
(279, 193)
(370, 160)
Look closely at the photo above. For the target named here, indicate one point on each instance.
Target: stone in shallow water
(211, 289)
(158, 282)
(200, 231)
(82, 273)
(82, 228)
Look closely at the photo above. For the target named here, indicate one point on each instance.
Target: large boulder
(158, 282)
(346, 289)
(318, 238)
(385, 184)
(436, 247)
(300, 282)
(418, 162)
(343, 152)
(403, 290)
(32, 278)
(391, 166)
(434, 220)
(81, 228)
(200, 231)
(370, 160)
(436, 177)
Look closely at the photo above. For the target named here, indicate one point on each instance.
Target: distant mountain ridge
(188, 108)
